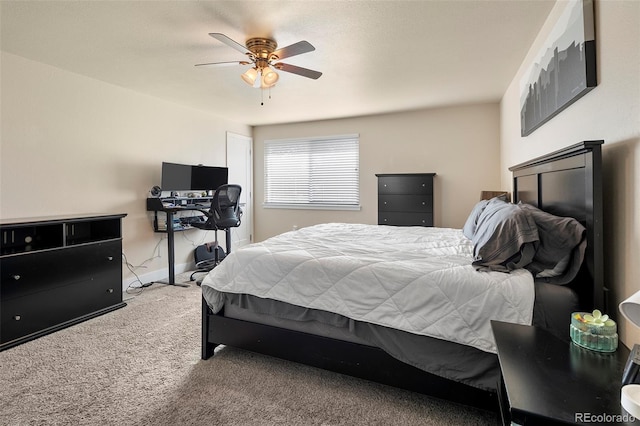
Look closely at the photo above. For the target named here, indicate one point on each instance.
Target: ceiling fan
(265, 59)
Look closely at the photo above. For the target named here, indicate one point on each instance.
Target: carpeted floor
(141, 365)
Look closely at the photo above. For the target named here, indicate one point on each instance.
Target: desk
(177, 205)
(548, 381)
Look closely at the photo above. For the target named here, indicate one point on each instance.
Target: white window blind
(318, 173)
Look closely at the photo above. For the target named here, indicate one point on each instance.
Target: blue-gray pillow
(472, 221)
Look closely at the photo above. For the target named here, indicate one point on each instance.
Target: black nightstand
(546, 380)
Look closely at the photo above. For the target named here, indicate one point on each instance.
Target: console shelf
(56, 272)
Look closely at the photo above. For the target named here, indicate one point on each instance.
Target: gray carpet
(141, 365)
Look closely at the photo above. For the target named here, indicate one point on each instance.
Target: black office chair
(224, 214)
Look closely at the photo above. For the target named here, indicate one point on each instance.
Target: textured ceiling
(375, 56)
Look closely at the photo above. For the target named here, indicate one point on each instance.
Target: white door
(240, 164)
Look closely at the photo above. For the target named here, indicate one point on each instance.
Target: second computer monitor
(208, 178)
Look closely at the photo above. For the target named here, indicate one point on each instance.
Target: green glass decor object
(594, 331)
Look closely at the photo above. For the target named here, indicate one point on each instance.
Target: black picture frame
(564, 69)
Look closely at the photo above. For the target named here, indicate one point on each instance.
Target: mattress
(414, 279)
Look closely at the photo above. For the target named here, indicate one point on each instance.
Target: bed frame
(566, 183)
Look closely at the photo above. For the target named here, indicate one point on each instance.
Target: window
(320, 173)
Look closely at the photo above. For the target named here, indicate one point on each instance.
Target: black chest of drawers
(56, 272)
(405, 199)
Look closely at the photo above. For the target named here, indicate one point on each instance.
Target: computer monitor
(175, 177)
(183, 177)
(206, 178)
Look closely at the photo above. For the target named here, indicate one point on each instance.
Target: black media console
(56, 272)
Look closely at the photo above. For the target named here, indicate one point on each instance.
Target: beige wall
(71, 144)
(460, 144)
(610, 112)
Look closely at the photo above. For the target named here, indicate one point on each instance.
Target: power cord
(133, 289)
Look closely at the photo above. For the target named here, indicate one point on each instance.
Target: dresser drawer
(405, 203)
(405, 219)
(408, 184)
(30, 273)
(22, 316)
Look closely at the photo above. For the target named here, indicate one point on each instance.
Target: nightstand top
(550, 380)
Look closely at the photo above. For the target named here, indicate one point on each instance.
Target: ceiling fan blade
(224, 63)
(298, 70)
(229, 42)
(294, 49)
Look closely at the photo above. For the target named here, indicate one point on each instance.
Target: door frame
(247, 192)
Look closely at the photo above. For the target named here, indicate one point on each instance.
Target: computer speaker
(155, 191)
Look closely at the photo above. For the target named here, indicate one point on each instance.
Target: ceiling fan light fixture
(269, 77)
(250, 76)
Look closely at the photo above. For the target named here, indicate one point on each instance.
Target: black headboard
(568, 182)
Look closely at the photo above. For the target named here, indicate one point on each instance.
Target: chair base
(207, 263)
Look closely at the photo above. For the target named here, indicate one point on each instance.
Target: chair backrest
(225, 206)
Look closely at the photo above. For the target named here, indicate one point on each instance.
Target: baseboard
(157, 275)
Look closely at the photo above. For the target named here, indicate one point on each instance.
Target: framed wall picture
(564, 69)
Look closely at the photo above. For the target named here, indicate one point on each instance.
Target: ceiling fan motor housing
(262, 48)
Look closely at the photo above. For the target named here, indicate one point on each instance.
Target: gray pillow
(505, 238)
(557, 270)
(561, 239)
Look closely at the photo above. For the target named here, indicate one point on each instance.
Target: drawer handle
(423, 203)
(385, 203)
(16, 277)
(110, 258)
(110, 290)
(17, 317)
(424, 184)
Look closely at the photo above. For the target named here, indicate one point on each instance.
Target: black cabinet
(405, 199)
(56, 272)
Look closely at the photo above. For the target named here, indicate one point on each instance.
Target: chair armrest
(203, 211)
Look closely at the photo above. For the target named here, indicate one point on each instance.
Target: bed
(430, 292)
